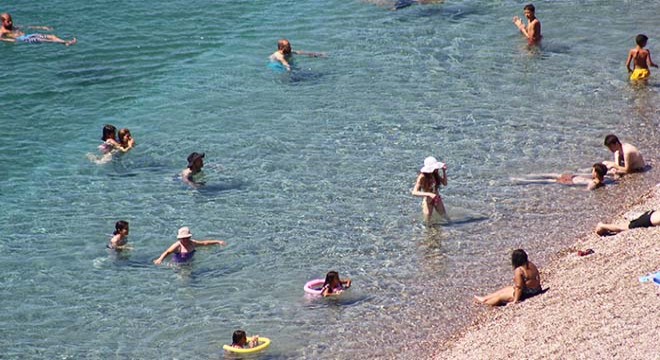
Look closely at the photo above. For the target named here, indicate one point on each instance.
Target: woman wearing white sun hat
(184, 248)
(428, 185)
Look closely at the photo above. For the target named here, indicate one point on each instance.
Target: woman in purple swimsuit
(184, 248)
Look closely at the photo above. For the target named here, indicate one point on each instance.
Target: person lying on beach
(533, 29)
(184, 248)
(11, 33)
(648, 219)
(627, 159)
(641, 59)
(284, 52)
(526, 282)
(594, 181)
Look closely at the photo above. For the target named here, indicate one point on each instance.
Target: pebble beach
(595, 306)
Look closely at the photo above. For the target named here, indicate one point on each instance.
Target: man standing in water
(533, 30)
(627, 159)
(10, 33)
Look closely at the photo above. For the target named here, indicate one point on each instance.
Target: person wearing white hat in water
(184, 248)
(428, 185)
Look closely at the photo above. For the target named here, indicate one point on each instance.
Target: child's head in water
(109, 132)
(124, 136)
(239, 338)
(121, 227)
(332, 280)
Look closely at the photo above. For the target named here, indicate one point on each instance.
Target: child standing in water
(641, 59)
(119, 236)
(333, 285)
(239, 340)
(428, 185)
(184, 248)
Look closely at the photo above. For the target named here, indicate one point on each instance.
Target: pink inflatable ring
(313, 287)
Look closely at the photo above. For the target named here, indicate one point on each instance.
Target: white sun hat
(431, 164)
(184, 233)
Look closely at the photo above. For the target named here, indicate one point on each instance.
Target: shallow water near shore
(305, 172)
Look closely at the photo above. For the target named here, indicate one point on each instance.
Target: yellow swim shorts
(640, 74)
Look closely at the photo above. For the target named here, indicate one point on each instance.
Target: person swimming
(284, 54)
(11, 33)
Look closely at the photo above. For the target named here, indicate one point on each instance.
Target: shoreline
(595, 306)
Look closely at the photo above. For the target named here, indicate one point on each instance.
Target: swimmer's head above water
(284, 46)
(7, 22)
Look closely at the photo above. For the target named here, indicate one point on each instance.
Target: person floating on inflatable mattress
(641, 59)
(11, 33)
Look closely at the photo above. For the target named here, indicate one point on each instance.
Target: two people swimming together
(113, 143)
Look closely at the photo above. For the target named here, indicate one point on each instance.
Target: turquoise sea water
(306, 172)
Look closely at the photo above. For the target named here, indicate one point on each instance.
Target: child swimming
(239, 340)
(333, 284)
(184, 248)
(119, 236)
(126, 140)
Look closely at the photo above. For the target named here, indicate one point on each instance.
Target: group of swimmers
(527, 280)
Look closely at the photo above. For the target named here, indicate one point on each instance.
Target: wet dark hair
(330, 276)
(518, 258)
(238, 336)
(428, 177)
(611, 139)
(600, 169)
(641, 40)
(530, 7)
(119, 226)
(109, 131)
(285, 46)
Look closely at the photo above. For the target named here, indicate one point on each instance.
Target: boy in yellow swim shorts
(642, 59)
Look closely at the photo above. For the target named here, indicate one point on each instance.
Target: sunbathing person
(526, 282)
(594, 181)
(648, 219)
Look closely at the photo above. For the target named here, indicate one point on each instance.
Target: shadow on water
(349, 297)
(220, 185)
(457, 216)
(296, 76)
